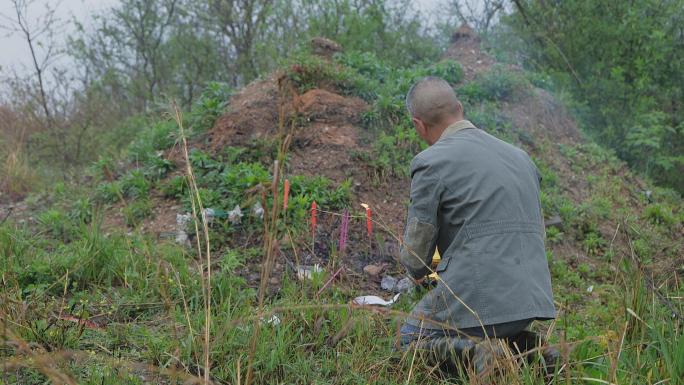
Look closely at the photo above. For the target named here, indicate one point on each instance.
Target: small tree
(38, 34)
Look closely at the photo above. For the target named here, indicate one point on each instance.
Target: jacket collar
(456, 127)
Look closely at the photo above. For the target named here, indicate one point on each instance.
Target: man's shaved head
(432, 100)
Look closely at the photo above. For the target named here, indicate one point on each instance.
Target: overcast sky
(14, 53)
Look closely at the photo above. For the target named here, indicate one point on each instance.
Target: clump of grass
(17, 176)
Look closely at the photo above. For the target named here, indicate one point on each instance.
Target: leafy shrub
(262, 151)
(238, 178)
(487, 116)
(498, 83)
(136, 211)
(157, 167)
(305, 190)
(602, 207)
(320, 189)
(567, 210)
(81, 210)
(554, 235)
(660, 214)
(549, 179)
(56, 223)
(365, 64)
(103, 168)
(135, 184)
(108, 192)
(448, 70)
(308, 71)
(210, 199)
(392, 154)
(643, 249)
(593, 243)
(157, 137)
(175, 187)
(209, 106)
(203, 161)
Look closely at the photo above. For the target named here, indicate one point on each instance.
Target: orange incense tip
(286, 194)
(313, 215)
(369, 222)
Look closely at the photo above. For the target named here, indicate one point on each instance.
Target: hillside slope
(108, 282)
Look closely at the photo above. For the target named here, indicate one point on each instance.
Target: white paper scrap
(373, 300)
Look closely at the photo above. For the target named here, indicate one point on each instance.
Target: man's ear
(421, 128)
(459, 109)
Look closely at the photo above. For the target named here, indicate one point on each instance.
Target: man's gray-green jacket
(476, 198)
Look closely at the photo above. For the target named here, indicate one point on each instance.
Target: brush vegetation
(148, 296)
(88, 301)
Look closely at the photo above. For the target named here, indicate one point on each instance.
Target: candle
(313, 216)
(286, 194)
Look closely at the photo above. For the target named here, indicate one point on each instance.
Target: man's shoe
(486, 354)
(551, 357)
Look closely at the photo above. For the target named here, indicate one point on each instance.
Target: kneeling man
(476, 199)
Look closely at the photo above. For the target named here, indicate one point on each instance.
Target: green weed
(150, 140)
(210, 105)
(136, 211)
(660, 214)
(498, 83)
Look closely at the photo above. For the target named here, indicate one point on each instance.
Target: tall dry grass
(203, 243)
(17, 176)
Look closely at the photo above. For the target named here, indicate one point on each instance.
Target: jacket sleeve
(420, 235)
(539, 181)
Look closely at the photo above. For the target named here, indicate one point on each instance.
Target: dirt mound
(252, 114)
(465, 49)
(539, 113)
(536, 112)
(325, 47)
(330, 118)
(324, 106)
(322, 117)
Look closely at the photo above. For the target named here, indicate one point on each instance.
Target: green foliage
(593, 243)
(227, 181)
(56, 223)
(487, 116)
(81, 210)
(623, 65)
(499, 83)
(108, 192)
(308, 71)
(320, 189)
(554, 235)
(136, 211)
(158, 167)
(151, 139)
(175, 187)
(376, 26)
(135, 184)
(209, 106)
(392, 154)
(660, 214)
